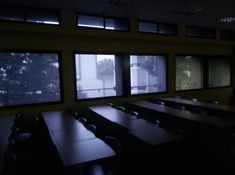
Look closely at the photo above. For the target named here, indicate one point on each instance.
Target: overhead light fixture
(229, 19)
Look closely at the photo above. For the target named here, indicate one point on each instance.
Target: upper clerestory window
(200, 32)
(29, 15)
(100, 22)
(158, 28)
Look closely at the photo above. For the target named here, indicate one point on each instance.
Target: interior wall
(68, 39)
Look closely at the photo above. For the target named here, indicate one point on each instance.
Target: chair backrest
(83, 120)
(114, 143)
(194, 99)
(159, 102)
(111, 104)
(134, 113)
(76, 116)
(120, 108)
(92, 128)
(212, 101)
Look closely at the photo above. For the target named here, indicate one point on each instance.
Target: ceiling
(193, 12)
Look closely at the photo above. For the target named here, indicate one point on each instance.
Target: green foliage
(105, 67)
(28, 78)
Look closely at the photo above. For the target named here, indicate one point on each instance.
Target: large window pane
(116, 24)
(148, 27)
(41, 16)
(189, 73)
(90, 21)
(96, 76)
(29, 78)
(148, 74)
(219, 72)
(11, 13)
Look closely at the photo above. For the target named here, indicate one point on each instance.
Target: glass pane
(147, 27)
(116, 24)
(96, 76)
(148, 74)
(193, 31)
(40, 16)
(29, 78)
(167, 29)
(219, 72)
(227, 35)
(90, 21)
(10, 13)
(189, 73)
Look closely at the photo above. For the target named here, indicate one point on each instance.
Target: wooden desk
(5, 131)
(187, 115)
(75, 144)
(155, 136)
(112, 114)
(214, 109)
(139, 128)
(85, 151)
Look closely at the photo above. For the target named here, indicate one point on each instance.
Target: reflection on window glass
(116, 24)
(219, 72)
(147, 27)
(148, 74)
(90, 21)
(189, 73)
(96, 76)
(29, 78)
(40, 16)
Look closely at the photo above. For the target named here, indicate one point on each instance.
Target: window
(148, 74)
(90, 21)
(219, 72)
(157, 28)
(29, 78)
(189, 73)
(200, 32)
(102, 22)
(29, 15)
(97, 76)
(227, 35)
(148, 27)
(42, 16)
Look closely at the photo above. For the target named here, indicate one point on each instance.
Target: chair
(159, 102)
(83, 120)
(111, 104)
(120, 108)
(212, 101)
(92, 128)
(194, 99)
(179, 107)
(76, 116)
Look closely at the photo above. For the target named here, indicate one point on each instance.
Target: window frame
(60, 76)
(104, 22)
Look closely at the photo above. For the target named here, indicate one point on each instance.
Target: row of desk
(215, 109)
(199, 118)
(139, 128)
(75, 144)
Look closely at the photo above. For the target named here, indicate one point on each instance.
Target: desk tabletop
(196, 117)
(155, 136)
(81, 152)
(75, 144)
(112, 114)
